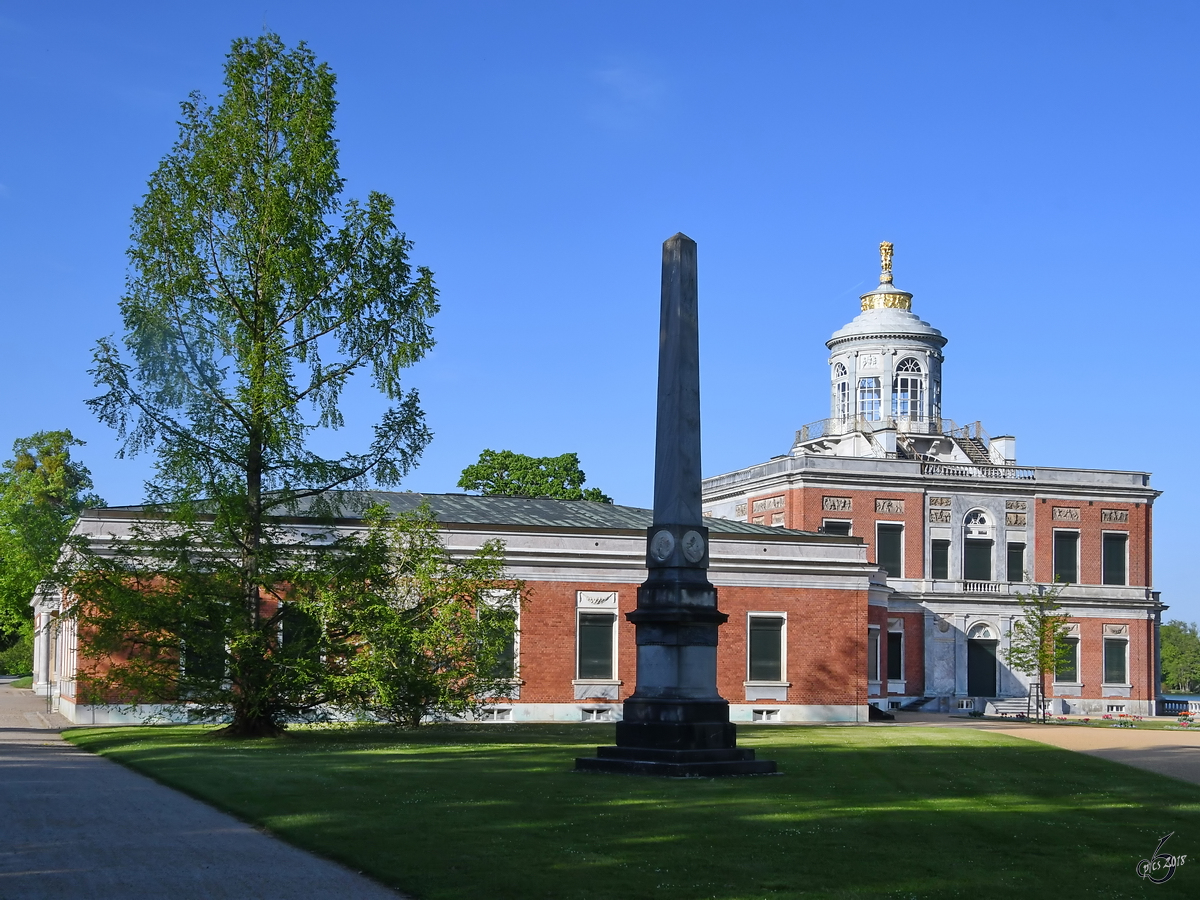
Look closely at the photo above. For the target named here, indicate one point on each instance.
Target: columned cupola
(886, 365)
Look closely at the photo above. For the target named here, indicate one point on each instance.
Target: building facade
(793, 649)
(960, 529)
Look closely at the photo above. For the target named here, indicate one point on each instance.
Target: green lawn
(496, 812)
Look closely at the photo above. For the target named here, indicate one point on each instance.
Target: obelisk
(676, 723)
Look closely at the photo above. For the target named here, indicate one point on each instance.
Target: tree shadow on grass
(496, 811)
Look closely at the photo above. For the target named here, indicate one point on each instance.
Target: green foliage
(425, 635)
(42, 491)
(255, 293)
(1180, 650)
(509, 474)
(17, 658)
(1037, 643)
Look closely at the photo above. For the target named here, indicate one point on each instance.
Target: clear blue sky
(1035, 165)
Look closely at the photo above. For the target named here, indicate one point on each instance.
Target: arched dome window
(841, 393)
(908, 390)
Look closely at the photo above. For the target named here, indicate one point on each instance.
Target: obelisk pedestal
(675, 723)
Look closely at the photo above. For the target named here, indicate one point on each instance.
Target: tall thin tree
(255, 293)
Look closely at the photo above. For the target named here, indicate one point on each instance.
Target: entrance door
(981, 668)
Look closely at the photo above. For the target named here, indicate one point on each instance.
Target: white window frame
(914, 391)
(783, 654)
(593, 602)
(499, 598)
(870, 398)
(1125, 583)
(876, 681)
(1121, 639)
(1078, 552)
(1078, 682)
(901, 681)
(850, 522)
(903, 542)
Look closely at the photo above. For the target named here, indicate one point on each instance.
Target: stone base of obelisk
(676, 739)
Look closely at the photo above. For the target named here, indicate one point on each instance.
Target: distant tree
(1180, 649)
(422, 634)
(1037, 642)
(42, 491)
(508, 474)
(255, 294)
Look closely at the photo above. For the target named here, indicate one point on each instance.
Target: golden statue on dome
(885, 261)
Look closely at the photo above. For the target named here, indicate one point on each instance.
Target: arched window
(870, 402)
(908, 390)
(977, 546)
(841, 393)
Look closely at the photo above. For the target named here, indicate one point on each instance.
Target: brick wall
(1090, 530)
(805, 511)
(826, 637)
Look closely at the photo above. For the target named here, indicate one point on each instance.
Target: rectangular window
(869, 399)
(895, 647)
(1016, 562)
(838, 528)
(872, 654)
(1066, 556)
(889, 549)
(203, 655)
(1114, 557)
(940, 558)
(1068, 672)
(1114, 661)
(765, 661)
(596, 645)
(977, 560)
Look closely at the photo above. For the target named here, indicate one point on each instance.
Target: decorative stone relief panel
(1116, 630)
(889, 506)
(1114, 516)
(1014, 518)
(1065, 514)
(777, 519)
(836, 504)
(940, 515)
(739, 509)
(939, 501)
(1014, 504)
(596, 599)
(768, 504)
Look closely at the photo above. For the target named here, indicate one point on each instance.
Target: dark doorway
(981, 668)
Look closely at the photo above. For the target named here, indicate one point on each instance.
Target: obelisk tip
(679, 236)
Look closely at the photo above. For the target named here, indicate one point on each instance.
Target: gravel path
(1172, 753)
(74, 826)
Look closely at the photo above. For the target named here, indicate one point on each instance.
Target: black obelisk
(675, 723)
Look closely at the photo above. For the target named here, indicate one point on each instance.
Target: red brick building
(961, 529)
(794, 648)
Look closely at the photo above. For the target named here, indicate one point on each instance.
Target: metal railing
(904, 424)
